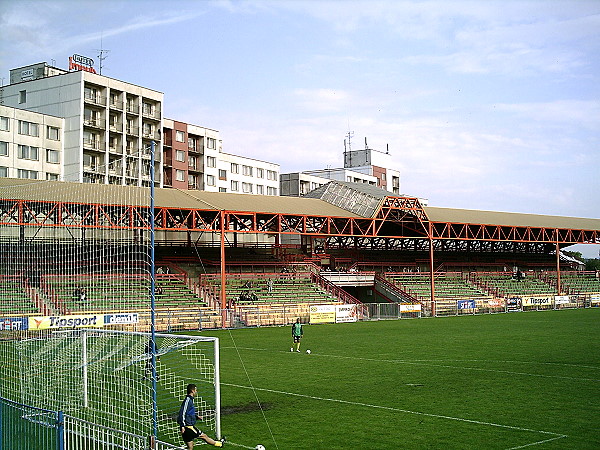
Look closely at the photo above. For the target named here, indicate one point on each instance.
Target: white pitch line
(389, 408)
(421, 363)
(538, 442)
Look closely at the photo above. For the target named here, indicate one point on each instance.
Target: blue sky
(484, 104)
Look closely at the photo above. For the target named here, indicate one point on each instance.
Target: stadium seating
(576, 282)
(14, 298)
(447, 286)
(248, 289)
(504, 284)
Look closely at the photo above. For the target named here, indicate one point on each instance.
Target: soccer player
(297, 333)
(187, 421)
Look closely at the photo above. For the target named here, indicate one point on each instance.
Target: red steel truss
(398, 219)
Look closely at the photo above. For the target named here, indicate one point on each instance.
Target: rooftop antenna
(387, 149)
(348, 149)
(101, 55)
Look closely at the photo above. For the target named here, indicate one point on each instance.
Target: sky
(491, 105)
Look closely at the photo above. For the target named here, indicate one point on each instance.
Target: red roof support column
(431, 270)
(558, 287)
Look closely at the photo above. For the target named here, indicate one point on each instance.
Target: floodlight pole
(153, 296)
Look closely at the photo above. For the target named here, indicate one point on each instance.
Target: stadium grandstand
(227, 260)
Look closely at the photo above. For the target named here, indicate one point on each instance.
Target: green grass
(493, 381)
(518, 380)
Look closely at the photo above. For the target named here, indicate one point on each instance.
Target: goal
(106, 377)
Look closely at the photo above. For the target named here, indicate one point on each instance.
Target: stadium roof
(349, 209)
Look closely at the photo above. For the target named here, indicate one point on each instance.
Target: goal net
(105, 377)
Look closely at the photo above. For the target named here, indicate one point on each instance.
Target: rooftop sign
(78, 62)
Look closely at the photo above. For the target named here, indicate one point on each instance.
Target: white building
(109, 124)
(242, 175)
(366, 166)
(31, 144)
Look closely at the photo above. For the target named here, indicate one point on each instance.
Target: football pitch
(506, 381)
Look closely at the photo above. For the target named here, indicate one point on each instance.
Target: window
(179, 136)
(28, 128)
(3, 148)
(180, 175)
(91, 162)
(235, 168)
(247, 188)
(52, 133)
(192, 181)
(4, 123)
(222, 189)
(31, 174)
(192, 144)
(260, 173)
(260, 189)
(271, 190)
(3, 172)
(222, 174)
(51, 176)
(52, 156)
(210, 180)
(211, 161)
(148, 109)
(22, 98)
(180, 155)
(383, 176)
(271, 175)
(234, 185)
(192, 162)
(247, 170)
(147, 129)
(211, 143)
(27, 152)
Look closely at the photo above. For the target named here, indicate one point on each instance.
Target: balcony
(95, 123)
(150, 134)
(94, 144)
(134, 131)
(132, 108)
(151, 113)
(116, 126)
(94, 99)
(118, 148)
(116, 104)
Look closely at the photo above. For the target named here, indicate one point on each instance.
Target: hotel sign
(78, 62)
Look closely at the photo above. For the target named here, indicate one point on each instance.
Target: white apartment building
(366, 166)
(31, 145)
(242, 175)
(108, 124)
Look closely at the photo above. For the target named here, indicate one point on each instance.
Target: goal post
(105, 377)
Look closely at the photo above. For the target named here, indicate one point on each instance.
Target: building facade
(365, 166)
(194, 159)
(31, 145)
(109, 124)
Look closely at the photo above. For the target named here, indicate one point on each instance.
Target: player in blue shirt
(187, 421)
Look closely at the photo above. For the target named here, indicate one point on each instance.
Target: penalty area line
(406, 411)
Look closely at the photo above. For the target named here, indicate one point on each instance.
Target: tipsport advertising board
(67, 321)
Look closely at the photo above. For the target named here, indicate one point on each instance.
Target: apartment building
(365, 166)
(194, 159)
(31, 145)
(108, 124)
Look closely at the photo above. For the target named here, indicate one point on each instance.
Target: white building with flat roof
(108, 124)
(31, 144)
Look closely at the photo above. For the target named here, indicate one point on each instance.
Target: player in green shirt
(296, 335)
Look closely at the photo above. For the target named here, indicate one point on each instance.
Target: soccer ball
(260, 447)
(308, 351)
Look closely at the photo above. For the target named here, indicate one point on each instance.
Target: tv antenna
(101, 56)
